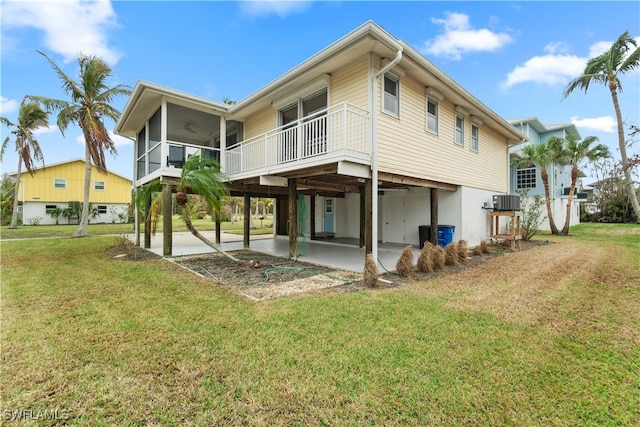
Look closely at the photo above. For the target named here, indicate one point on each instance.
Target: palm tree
(574, 151)
(90, 103)
(203, 177)
(30, 118)
(622, 57)
(542, 155)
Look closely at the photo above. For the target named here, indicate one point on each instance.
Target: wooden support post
(433, 238)
(147, 222)
(293, 218)
(247, 217)
(368, 217)
(312, 206)
(363, 199)
(167, 225)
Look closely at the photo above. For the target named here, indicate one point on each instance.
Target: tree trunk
(547, 199)
(16, 195)
(623, 154)
(84, 219)
(572, 191)
(189, 224)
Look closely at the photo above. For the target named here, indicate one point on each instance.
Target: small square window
(102, 209)
(60, 183)
(526, 177)
(50, 208)
(98, 185)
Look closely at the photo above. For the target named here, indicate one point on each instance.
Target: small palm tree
(542, 155)
(203, 177)
(622, 57)
(90, 103)
(30, 118)
(575, 151)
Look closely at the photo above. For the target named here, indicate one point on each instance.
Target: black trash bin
(424, 231)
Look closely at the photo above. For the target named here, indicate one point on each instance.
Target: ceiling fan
(188, 127)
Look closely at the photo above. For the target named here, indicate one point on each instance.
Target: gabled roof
(65, 162)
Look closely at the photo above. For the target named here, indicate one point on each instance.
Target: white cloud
(118, 140)
(268, 7)
(46, 130)
(547, 69)
(558, 67)
(70, 27)
(603, 124)
(459, 38)
(8, 106)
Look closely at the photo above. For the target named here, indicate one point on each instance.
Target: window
(459, 130)
(98, 185)
(475, 135)
(50, 208)
(60, 183)
(391, 95)
(102, 209)
(526, 176)
(432, 115)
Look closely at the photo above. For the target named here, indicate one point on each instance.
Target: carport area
(342, 254)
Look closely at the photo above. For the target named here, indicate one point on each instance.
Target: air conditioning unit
(507, 202)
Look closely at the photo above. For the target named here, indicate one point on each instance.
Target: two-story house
(528, 178)
(59, 186)
(367, 139)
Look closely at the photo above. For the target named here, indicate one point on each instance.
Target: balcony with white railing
(337, 133)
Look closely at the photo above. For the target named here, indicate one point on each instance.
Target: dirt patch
(259, 276)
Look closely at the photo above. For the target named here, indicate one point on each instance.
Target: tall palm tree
(542, 155)
(203, 177)
(90, 103)
(622, 57)
(574, 151)
(30, 118)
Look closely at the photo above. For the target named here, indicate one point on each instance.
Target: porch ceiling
(325, 181)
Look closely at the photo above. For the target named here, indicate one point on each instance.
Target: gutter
(374, 151)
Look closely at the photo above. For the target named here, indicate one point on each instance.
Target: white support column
(223, 144)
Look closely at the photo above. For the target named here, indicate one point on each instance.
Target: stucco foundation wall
(34, 213)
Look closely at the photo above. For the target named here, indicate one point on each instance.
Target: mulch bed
(259, 276)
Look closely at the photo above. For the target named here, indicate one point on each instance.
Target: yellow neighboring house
(61, 185)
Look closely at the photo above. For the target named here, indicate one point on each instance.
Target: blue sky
(515, 56)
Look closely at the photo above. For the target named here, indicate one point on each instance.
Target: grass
(64, 230)
(145, 342)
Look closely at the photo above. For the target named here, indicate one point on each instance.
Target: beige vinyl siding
(259, 123)
(406, 148)
(39, 187)
(350, 84)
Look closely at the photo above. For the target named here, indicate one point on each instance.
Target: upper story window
(60, 183)
(526, 177)
(459, 129)
(475, 137)
(391, 95)
(432, 115)
(98, 185)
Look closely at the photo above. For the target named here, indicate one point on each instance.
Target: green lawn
(146, 343)
(64, 230)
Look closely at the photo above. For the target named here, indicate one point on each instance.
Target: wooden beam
(218, 228)
(167, 226)
(434, 216)
(328, 186)
(416, 182)
(293, 218)
(147, 222)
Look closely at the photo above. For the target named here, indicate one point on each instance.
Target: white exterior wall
(33, 212)
(347, 216)
(559, 209)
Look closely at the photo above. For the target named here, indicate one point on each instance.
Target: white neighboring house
(61, 185)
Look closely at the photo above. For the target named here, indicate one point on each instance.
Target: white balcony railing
(341, 128)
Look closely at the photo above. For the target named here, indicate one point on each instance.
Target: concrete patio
(342, 254)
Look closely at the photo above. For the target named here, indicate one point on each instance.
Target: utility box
(508, 202)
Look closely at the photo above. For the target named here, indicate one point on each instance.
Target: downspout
(374, 151)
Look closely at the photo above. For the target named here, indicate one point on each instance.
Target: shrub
(404, 266)
(438, 260)
(451, 256)
(370, 272)
(462, 250)
(425, 263)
